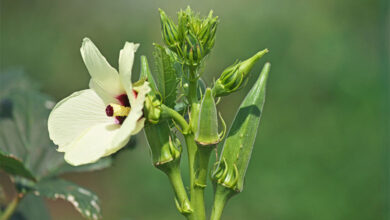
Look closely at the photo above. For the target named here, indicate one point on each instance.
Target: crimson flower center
(120, 111)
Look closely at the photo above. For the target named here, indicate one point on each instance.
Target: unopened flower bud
(169, 31)
(233, 77)
(193, 38)
(152, 110)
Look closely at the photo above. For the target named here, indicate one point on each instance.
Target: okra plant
(174, 107)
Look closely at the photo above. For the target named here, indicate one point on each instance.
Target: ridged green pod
(236, 153)
(165, 151)
(207, 132)
(164, 148)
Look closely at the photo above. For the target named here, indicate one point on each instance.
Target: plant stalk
(197, 158)
(191, 150)
(178, 118)
(11, 207)
(200, 182)
(221, 197)
(174, 175)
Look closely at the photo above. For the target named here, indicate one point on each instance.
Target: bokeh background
(322, 149)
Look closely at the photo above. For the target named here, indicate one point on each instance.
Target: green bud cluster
(235, 76)
(192, 38)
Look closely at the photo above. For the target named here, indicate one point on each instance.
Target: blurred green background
(322, 148)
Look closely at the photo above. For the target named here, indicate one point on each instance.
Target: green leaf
(31, 208)
(146, 74)
(14, 166)
(23, 130)
(25, 134)
(27, 152)
(86, 202)
(99, 165)
(238, 146)
(14, 80)
(166, 76)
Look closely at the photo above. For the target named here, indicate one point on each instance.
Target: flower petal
(130, 123)
(106, 97)
(102, 73)
(126, 60)
(92, 145)
(74, 115)
(138, 126)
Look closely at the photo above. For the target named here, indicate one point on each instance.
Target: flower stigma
(117, 110)
(122, 110)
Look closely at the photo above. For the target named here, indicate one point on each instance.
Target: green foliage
(14, 166)
(98, 165)
(237, 148)
(165, 75)
(27, 153)
(24, 135)
(147, 75)
(14, 80)
(32, 207)
(86, 202)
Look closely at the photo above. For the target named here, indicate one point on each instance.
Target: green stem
(174, 175)
(193, 86)
(201, 167)
(178, 118)
(221, 197)
(196, 184)
(197, 158)
(191, 150)
(203, 157)
(11, 207)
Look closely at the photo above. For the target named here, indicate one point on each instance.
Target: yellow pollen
(120, 110)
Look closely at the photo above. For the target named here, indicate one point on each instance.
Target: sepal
(164, 146)
(184, 206)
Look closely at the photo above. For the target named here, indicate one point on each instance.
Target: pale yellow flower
(97, 122)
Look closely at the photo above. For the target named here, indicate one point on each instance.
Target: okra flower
(97, 122)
